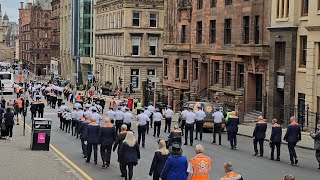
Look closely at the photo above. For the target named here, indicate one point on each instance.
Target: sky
(11, 8)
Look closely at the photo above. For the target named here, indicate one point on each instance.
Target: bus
(7, 81)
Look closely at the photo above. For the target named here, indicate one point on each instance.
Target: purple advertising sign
(41, 138)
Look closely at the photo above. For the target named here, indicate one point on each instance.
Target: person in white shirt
(152, 110)
(79, 119)
(190, 120)
(74, 120)
(60, 111)
(87, 112)
(96, 116)
(218, 120)
(111, 114)
(149, 114)
(142, 120)
(119, 119)
(99, 107)
(168, 113)
(127, 118)
(67, 119)
(182, 119)
(157, 117)
(200, 121)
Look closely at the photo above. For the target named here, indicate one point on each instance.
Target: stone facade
(221, 52)
(67, 64)
(55, 32)
(40, 37)
(125, 32)
(295, 30)
(25, 32)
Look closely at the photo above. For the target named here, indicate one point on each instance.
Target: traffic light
(131, 88)
(120, 81)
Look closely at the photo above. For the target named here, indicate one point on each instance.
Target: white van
(7, 80)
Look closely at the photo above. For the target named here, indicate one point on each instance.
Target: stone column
(176, 100)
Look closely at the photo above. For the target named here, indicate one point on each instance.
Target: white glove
(85, 142)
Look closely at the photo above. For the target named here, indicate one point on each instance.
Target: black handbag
(3, 126)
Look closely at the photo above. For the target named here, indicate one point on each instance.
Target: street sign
(89, 76)
(155, 79)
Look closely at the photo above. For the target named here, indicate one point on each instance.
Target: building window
(246, 29)
(318, 55)
(185, 69)
(200, 4)
(227, 31)
(283, 8)
(216, 72)
(319, 5)
(184, 3)
(280, 51)
(228, 74)
(153, 20)
(305, 8)
(183, 34)
(303, 51)
(136, 19)
(165, 67)
(134, 78)
(241, 76)
(151, 74)
(177, 68)
(228, 2)
(256, 29)
(212, 31)
(213, 3)
(199, 32)
(153, 46)
(196, 69)
(135, 46)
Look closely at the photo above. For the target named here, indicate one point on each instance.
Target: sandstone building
(55, 41)
(129, 38)
(25, 44)
(217, 50)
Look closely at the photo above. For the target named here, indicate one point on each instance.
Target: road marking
(66, 159)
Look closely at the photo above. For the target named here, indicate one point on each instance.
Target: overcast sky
(11, 8)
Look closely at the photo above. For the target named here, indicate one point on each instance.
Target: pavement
(20, 163)
(68, 151)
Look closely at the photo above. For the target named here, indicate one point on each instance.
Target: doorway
(203, 80)
(259, 95)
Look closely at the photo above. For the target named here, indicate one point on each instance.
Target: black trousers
(67, 125)
(232, 137)
(95, 151)
(189, 129)
(318, 156)
(292, 151)
(33, 115)
(40, 114)
(142, 134)
(275, 145)
(61, 121)
(151, 120)
(84, 147)
(9, 130)
(156, 177)
(128, 173)
(182, 126)
(217, 129)
(147, 127)
(128, 126)
(105, 152)
(118, 125)
(199, 129)
(255, 145)
(156, 128)
(167, 124)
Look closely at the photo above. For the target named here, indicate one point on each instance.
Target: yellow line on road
(66, 159)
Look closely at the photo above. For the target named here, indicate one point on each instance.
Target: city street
(244, 163)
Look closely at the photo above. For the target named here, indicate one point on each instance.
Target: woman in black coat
(159, 160)
(9, 121)
(129, 155)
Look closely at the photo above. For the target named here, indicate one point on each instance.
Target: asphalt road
(251, 168)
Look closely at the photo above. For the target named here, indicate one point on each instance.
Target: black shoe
(154, 135)
(292, 163)
(17, 123)
(104, 165)
(255, 154)
(191, 144)
(143, 145)
(213, 142)
(95, 162)
(186, 144)
(278, 159)
(196, 138)
(272, 159)
(296, 161)
(84, 156)
(122, 175)
(234, 147)
(87, 161)
(261, 155)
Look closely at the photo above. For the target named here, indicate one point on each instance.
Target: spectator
(230, 175)
(316, 137)
(119, 139)
(232, 129)
(9, 122)
(159, 159)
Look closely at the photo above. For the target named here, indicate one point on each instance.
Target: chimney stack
(29, 5)
(21, 5)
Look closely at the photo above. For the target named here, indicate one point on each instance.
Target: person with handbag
(9, 122)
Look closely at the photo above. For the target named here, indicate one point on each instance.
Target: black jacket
(276, 134)
(8, 117)
(119, 139)
(40, 107)
(232, 124)
(260, 131)
(91, 134)
(129, 154)
(82, 129)
(158, 163)
(107, 135)
(293, 133)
